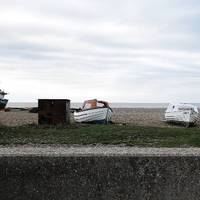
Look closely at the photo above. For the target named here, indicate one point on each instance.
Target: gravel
(100, 150)
(136, 116)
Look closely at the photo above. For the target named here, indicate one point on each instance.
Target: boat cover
(181, 106)
(94, 103)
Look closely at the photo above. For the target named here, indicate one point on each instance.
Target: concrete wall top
(67, 151)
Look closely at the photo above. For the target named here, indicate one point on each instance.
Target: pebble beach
(135, 116)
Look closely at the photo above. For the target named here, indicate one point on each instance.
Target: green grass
(101, 134)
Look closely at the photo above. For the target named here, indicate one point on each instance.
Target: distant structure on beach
(3, 102)
(54, 111)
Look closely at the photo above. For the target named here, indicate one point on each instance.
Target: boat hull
(182, 116)
(3, 103)
(97, 116)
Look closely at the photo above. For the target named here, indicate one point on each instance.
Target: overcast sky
(120, 51)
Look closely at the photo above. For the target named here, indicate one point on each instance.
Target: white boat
(182, 112)
(94, 111)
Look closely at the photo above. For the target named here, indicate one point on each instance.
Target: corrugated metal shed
(54, 111)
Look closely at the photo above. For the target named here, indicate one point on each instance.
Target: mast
(2, 93)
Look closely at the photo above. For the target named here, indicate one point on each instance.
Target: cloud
(129, 51)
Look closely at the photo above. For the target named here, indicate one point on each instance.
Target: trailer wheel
(187, 124)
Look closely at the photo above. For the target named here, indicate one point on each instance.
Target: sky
(119, 51)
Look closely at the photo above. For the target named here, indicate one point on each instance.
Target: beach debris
(33, 110)
(13, 109)
(94, 111)
(72, 110)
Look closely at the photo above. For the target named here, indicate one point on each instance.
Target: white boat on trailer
(182, 113)
(94, 111)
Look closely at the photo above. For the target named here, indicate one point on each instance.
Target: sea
(112, 105)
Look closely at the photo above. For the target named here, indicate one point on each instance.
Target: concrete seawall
(78, 173)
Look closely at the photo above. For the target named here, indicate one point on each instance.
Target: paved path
(62, 150)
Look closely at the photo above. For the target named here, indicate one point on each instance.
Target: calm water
(113, 105)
